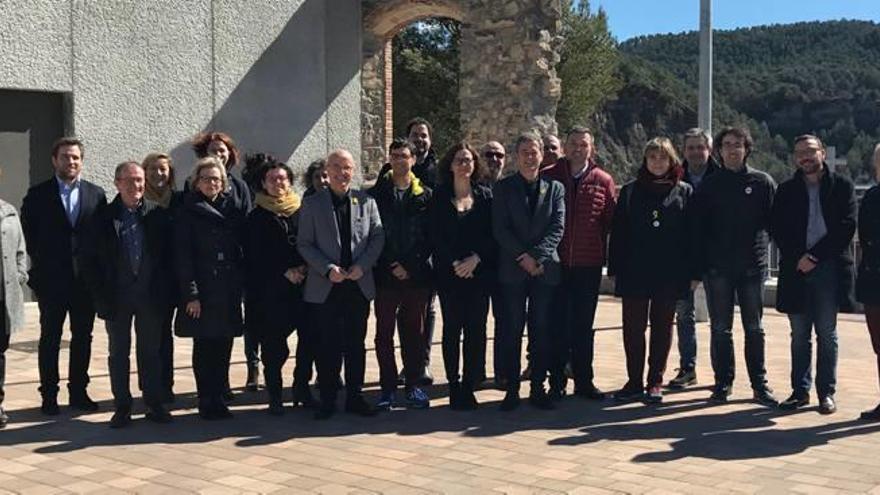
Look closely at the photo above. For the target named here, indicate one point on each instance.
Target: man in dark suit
(341, 238)
(528, 219)
(126, 267)
(54, 215)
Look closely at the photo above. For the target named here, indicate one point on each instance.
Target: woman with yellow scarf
(275, 274)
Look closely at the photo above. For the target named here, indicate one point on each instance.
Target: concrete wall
(281, 76)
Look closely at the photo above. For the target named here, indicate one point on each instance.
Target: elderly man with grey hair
(341, 238)
(528, 218)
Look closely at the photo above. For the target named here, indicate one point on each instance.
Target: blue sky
(628, 18)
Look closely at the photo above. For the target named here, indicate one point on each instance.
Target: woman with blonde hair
(209, 231)
(648, 255)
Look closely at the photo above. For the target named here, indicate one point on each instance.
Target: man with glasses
(813, 222)
(732, 217)
(494, 157)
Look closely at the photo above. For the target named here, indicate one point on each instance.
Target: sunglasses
(493, 154)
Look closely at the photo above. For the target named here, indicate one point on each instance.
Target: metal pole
(705, 98)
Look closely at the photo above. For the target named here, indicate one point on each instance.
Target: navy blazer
(518, 231)
(52, 243)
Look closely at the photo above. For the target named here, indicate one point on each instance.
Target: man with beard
(813, 221)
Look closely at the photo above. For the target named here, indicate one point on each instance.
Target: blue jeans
(686, 327)
(748, 291)
(820, 303)
(530, 302)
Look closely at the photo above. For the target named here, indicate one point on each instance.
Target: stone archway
(508, 59)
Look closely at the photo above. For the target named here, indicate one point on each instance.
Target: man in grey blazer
(341, 238)
(528, 219)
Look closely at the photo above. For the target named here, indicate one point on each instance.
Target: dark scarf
(659, 186)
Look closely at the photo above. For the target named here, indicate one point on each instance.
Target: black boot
(468, 399)
(455, 396)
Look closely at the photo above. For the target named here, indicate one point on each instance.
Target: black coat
(868, 282)
(272, 304)
(454, 237)
(210, 265)
(649, 248)
(789, 230)
(731, 212)
(52, 243)
(405, 224)
(103, 247)
(712, 167)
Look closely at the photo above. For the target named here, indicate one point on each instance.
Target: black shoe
(168, 397)
(684, 378)
(276, 407)
(121, 418)
(556, 394)
(654, 395)
(540, 400)
(872, 415)
(357, 405)
(326, 411)
(49, 407)
(720, 394)
(827, 405)
(252, 383)
(765, 397)
(629, 394)
(468, 399)
(158, 414)
(794, 401)
(82, 402)
(206, 409)
(510, 402)
(303, 396)
(455, 396)
(4, 418)
(221, 411)
(228, 397)
(590, 392)
(500, 383)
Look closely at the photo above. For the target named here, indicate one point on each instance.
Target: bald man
(341, 238)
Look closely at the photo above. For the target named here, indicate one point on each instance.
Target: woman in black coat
(648, 258)
(209, 228)
(463, 256)
(868, 282)
(275, 275)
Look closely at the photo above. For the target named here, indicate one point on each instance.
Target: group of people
(230, 256)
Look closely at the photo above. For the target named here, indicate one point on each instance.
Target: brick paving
(682, 446)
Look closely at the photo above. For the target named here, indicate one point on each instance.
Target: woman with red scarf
(648, 256)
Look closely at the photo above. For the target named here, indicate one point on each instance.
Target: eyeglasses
(493, 154)
(212, 180)
(464, 161)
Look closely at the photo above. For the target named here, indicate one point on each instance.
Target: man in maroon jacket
(590, 198)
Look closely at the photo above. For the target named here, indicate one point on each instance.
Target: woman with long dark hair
(463, 255)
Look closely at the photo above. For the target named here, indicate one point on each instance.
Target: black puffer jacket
(210, 265)
(406, 234)
(649, 252)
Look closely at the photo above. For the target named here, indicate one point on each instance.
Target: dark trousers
(529, 301)
(577, 298)
(498, 316)
(636, 313)
(166, 351)
(341, 324)
(275, 353)
(406, 307)
(251, 348)
(210, 360)
(53, 311)
(305, 349)
(686, 326)
(872, 316)
(427, 337)
(464, 312)
(4, 346)
(720, 293)
(820, 313)
(147, 329)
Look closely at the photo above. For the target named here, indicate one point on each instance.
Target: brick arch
(386, 19)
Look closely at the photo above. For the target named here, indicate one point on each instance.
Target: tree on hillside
(588, 64)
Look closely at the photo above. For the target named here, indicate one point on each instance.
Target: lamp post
(705, 99)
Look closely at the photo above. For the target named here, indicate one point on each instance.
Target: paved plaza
(684, 445)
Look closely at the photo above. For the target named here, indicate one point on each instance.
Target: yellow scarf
(162, 197)
(285, 205)
(417, 189)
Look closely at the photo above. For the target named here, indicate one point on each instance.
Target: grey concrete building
(294, 78)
